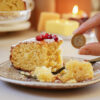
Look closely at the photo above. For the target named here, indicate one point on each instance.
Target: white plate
(15, 27)
(11, 75)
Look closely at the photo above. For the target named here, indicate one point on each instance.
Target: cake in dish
(12, 5)
(43, 50)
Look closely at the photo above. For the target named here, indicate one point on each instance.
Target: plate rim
(47, 84)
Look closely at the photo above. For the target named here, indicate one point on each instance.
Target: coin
(78, 40)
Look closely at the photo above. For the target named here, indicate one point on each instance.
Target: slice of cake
(12, 5)
(44, 50)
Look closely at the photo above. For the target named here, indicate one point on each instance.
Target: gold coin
(78, 40)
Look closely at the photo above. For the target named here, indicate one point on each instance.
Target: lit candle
(76, 13)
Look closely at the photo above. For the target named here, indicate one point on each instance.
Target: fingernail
(75, 32)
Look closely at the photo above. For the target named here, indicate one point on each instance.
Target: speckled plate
(11, 75)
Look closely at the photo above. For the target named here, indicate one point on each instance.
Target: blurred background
(20, 25)
(90, 7)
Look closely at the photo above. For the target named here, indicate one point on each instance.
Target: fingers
(90, 49)
(90, 23)
(98, 32)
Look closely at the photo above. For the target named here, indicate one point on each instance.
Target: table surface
(13, 92)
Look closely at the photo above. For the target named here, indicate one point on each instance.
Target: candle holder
(8, 17)
(80, 20)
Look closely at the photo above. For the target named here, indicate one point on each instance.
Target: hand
(91, 48)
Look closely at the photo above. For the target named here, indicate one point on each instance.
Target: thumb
(89, 24)
(90, 49)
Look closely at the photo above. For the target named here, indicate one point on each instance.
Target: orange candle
(65, 6)
(76, 13)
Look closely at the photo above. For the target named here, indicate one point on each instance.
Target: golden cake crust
(12, 5)
(30, 50)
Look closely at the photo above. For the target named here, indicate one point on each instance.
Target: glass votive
(9, 17)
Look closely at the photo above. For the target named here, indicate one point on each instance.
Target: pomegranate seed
(39, 38)
(50, 36)
(46, 36)
(55, 38)
(43, 36)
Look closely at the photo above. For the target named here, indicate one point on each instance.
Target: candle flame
(75, 10)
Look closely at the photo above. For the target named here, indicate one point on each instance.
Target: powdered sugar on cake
(36, 41)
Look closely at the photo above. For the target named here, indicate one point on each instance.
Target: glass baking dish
(8, 17)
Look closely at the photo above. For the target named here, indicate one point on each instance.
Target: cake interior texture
(12, 5)
(27, 56)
